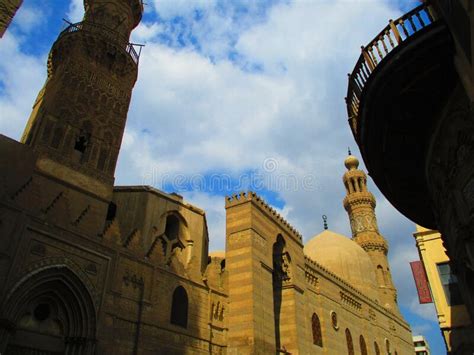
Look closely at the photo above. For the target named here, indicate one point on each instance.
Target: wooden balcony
(132, 49)
(396, 92)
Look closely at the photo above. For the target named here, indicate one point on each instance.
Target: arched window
(380, 276)
(387, 346)
(179, 307)
(350, 344)
(376, 348)
(172, 227)
(316, 327)
(363, 346)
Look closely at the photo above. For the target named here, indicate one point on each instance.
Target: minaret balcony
(133, 50)
(395, 95)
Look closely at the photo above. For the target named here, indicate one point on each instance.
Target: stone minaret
(79, 116)
(8, 9)
(360, 205)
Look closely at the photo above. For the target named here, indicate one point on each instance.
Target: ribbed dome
(346, 259)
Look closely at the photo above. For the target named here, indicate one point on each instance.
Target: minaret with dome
(360, 206)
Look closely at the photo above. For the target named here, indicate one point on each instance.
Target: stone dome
(345, 258)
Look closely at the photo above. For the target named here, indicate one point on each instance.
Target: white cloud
(28, 17)
(426, 311)
(146, 31)
(172, 8)
(21, 78)
(76, 11)
(420, 329)
(215, 214)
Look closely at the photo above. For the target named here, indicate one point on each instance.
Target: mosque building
(87, 267)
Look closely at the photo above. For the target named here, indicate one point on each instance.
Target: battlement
(251, 196)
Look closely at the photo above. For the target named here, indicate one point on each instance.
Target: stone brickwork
(8, 9)
(46, 225)
(274, 289)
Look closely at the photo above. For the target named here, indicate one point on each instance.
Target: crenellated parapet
(250, 196)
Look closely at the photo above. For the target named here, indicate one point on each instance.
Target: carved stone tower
(360, 205)
(8, 9)
(79, 116)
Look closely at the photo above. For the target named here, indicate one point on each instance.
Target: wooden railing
(111, 35)
(393, 35)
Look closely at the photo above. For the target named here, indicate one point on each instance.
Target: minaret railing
(392, 36)
(132, 49)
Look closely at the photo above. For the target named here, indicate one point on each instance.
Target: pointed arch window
(179, 307)
(350, 344)
(172, 227)
(316, 327)
(363, 345)
(376, 348)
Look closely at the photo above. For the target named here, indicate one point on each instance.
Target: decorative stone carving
(112, 232)
(350, 301)
(282, 268)
(91, 269)
(38, 249)
(132, 280)
(133, 242)
(217, 311)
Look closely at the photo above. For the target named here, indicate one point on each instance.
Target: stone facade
(8, 9)
(91, 268)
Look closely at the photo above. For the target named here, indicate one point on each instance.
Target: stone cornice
(350, 290)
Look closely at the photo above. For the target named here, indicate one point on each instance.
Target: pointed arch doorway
(51, 312)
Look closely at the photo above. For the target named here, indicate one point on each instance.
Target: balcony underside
(400, 107)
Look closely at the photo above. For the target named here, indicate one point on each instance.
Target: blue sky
(234, 95)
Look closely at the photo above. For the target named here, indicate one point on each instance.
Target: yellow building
(453, 318)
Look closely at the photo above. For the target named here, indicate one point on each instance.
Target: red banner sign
(422, 285)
